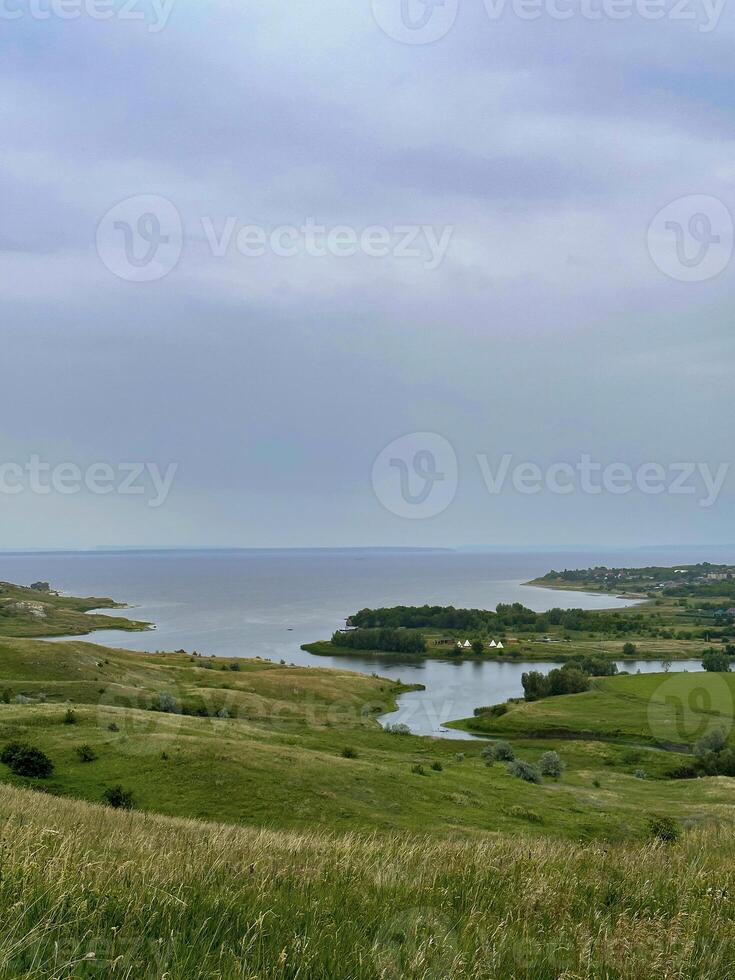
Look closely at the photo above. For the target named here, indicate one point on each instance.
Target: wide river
(267, 603)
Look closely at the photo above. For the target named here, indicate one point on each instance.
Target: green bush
(118, 798)
(9, 752)
(70, 717)
(25, 760)
(665, 829)
(398, 729)
(167, 703)
(524, 770)
(715, 662)
(498, 752)
(86, 753)
(713, 741)
(494, 710)
(550, 764)
(437, 766)
(418, 769)
(523, 813)
(349, 753)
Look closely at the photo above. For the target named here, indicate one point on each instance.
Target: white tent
(493, 643)
(500, 645)
(467, 645)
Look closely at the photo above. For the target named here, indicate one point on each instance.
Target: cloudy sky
(348, 273)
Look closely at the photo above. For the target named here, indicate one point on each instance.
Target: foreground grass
(90, 892)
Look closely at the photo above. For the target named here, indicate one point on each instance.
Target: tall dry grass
(91, 892)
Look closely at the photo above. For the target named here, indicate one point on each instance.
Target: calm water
(267, 603)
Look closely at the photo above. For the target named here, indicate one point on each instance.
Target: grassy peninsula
(681, 612)
(39, 611)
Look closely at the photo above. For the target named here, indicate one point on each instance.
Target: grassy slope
(278, 761)
(25, 613)
(666, 709)
(87, 892)
(90, 892)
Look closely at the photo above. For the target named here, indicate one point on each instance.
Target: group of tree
(573, 677)
(387, 640)
(717, 661)
(560, 680)
(506, 616)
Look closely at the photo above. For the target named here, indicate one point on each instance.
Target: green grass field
(89, 892)
(265, 745)
(668, 710)
(279, 831)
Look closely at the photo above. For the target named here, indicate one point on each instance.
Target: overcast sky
(548, 310)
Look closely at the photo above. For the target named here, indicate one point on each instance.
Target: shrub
(222, 713)
(112, 727)
(715, 662)
(418, 769)
(6, 695)
(9, 751)
(713, 741)
(665, 829)
(167, 703)
(523, 813)
(596, 783)
(640, 774)
(25, 760)
(118, 798)
(86, 753)
(398, 729)
(437, 766)
(349, 753)
(459, 757)
(550, 764)
(235, 665)
(684, 771)
(498, 752)
(524, 771)
(70, 717)
(494, 710)
(629, 649)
